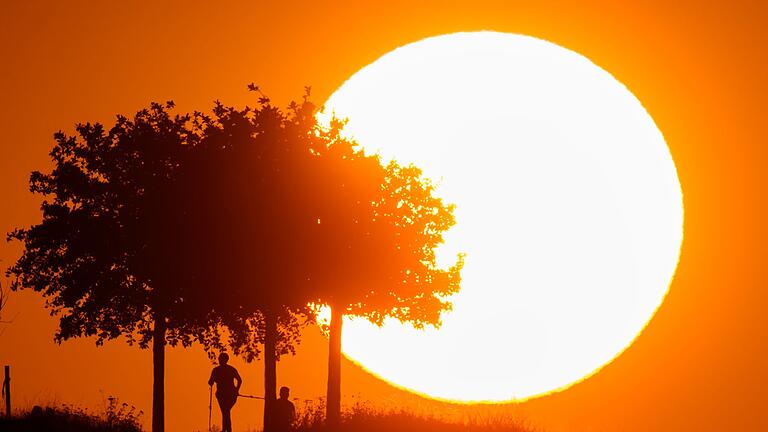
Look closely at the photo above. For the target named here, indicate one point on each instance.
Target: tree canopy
(94, 255)
(285, 212)
(165, 228)
(89, 256)
(378, 252)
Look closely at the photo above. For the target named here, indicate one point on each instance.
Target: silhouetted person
(228, 384)
(285, 412)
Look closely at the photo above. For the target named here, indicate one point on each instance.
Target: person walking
(228, 383)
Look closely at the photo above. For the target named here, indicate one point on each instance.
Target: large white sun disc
(568, 207)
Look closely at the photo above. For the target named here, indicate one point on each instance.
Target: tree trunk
(270, 369)
(158, 363)
(333, 399)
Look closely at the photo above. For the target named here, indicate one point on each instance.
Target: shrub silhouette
(117, 417)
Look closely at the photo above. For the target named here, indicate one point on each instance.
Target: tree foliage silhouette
(240, 222)
(291, 212)
(101, 255)
(166, 228)
(378, 245)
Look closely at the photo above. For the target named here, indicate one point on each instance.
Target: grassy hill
(116, 418)
(363, 418)
(360, 418)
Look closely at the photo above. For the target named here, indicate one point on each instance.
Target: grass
(359, 418)
(66, 418)
(363, 418)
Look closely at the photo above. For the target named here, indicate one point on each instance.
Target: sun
(569, 211)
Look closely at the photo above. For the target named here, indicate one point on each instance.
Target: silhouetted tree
(101, 255)
(306, 216)
(242, 220)
(379, 252)
(164, 228)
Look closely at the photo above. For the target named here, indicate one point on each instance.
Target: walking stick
(210, 405)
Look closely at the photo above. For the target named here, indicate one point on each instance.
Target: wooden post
(7, 391)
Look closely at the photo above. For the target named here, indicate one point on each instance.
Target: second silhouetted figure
(285, 412)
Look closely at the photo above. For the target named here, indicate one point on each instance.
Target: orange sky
(699, 68)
